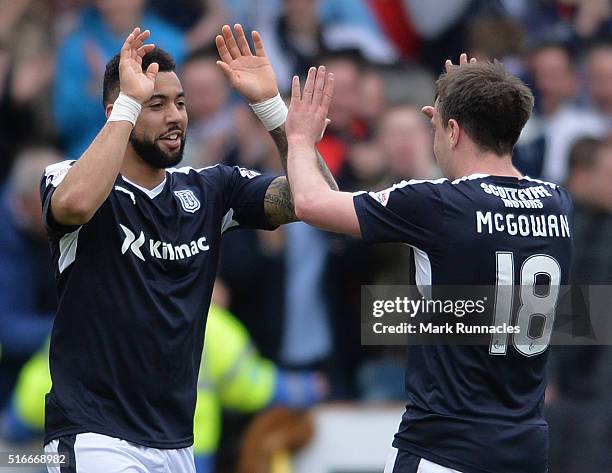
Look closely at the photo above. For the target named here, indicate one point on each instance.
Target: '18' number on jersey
(536, 300)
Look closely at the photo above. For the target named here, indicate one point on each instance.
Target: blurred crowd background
(297, 289)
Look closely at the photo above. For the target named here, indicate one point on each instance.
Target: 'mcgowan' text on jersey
(553, 225)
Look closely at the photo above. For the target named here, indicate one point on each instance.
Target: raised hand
(428, 110)
(307, 116)
(251, 75)
(463, 60)
(132, 80)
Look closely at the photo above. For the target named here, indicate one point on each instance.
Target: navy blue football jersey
(477, 409)
(134, 287)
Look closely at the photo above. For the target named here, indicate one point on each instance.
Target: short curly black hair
(111, 74)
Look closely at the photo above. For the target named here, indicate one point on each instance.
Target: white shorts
(95, 453)
(405, 462)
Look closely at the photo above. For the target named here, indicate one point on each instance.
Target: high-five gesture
(251, 75)
(428, 110)
(308, 110)
(133, 82)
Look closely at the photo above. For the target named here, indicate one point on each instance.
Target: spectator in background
(232, 375)
(297, 37)
(574, 22)
(306, 302)
(221, 130)
(211, 117)
(590, 182)
(401, 149)
(372, 96)
(598, 70)
(578, 399)
(262, 14)
(77, 102)
(27, 293)
(26, 71)
(346, 109)
(497, 37)
(544, 145)
(251, 146)
(366, 167)
(199, 19)
(356, 13)
(442, 27)
(404, 136)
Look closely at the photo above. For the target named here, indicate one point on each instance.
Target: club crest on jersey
(189, 201)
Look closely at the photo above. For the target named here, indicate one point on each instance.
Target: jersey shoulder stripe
(550, 184)
(55, 173)
(470, 177)
(188, 169)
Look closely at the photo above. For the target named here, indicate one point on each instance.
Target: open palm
(133, 81)
(251, 75)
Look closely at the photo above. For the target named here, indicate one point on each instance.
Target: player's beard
(153, 155)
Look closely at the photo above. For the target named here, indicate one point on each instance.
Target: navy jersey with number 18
(134, 287)
(477, 409)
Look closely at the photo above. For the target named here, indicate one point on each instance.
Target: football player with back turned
(471, 409)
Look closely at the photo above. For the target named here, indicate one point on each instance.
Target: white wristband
(271, 112)
(125, 108)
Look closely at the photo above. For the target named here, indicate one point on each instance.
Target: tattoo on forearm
(327, 175)
(278, 202)
(280, 140)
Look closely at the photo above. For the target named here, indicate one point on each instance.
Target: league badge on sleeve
(55, 173)
(248, 173)
(189, 201)
(382, 196)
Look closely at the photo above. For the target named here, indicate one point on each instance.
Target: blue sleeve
(295, 390)
(204, 463)
(13, 429)
(78, 113)
(409, 212)
(354, 12)
(166, 36)
(244, 193)
(23, 329)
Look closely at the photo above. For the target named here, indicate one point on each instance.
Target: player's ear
(454, 131)
(108, 109)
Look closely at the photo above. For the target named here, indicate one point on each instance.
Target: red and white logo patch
(244, 172)
(382, 196)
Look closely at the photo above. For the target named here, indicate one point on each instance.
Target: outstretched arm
(315, 202)
(253, 77)
(278, 201)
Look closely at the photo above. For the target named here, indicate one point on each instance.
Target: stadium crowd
(297, 289)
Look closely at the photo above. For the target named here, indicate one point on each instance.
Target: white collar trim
(151, 193)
